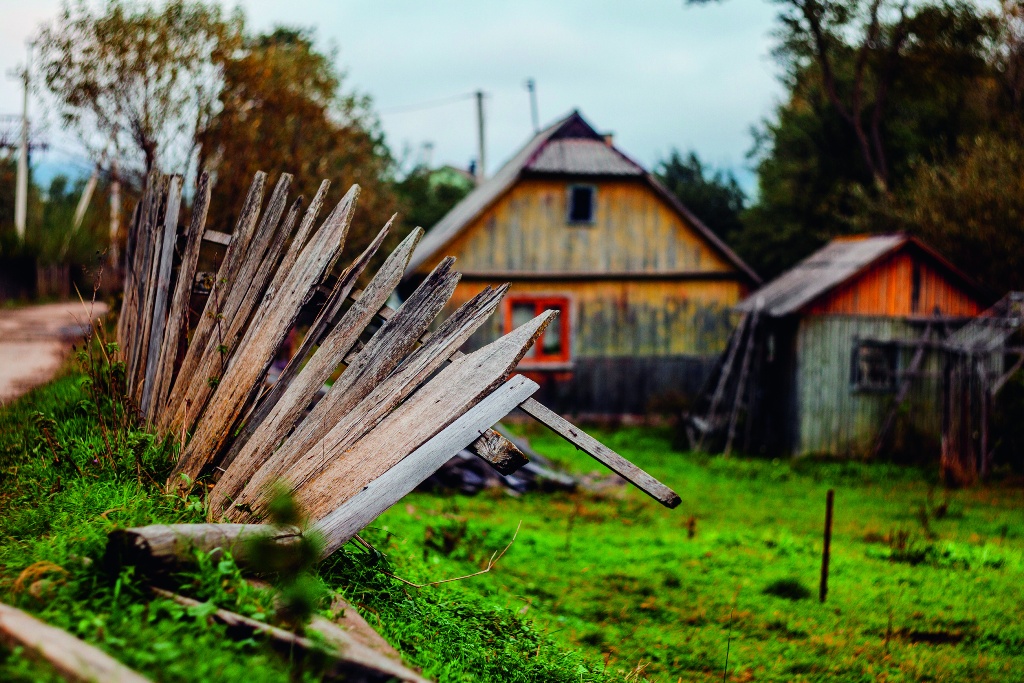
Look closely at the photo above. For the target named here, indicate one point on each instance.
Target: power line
(427, 105)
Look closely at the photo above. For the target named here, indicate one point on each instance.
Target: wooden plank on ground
(380, 493)
(328, 477)
(72, 658)
(169, 547)
(597, 450)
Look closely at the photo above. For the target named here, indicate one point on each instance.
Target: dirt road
(35, 340)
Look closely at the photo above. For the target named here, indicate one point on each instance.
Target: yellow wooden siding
(634, 230)
(631, 318)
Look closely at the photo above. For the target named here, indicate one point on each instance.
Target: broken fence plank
(256, 351)
(597, 450)
(332, 476)
(383, 491)
(388, 394)
(217, 237)
(162, 286)
(211, 320)
(177, 317)
(267, 431)
(353, 660)
(73, 659)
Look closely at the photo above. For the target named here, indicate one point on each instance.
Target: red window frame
(536, 354)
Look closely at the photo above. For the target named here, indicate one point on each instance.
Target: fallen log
(73, 659)
(352, 660)
(165, 547)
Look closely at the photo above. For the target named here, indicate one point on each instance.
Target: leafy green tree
(137, 77)
(426, 195)
(282, 108)
(714, 196)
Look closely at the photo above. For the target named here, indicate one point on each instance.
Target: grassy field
(605, 586)
(924, 587)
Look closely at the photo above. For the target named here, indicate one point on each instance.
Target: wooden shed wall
(634, 230)
(886, 289)
(833, 418)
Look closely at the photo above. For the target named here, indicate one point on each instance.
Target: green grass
(604, 586)
(913, 596)
(65, 483)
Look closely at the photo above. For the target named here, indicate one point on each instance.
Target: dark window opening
(581, 203)
(915, 288)
(874, 367)
(553, 345)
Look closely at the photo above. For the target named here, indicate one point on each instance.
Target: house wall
(634, 231)
(632, 341)
(887, 289)
(833, 418)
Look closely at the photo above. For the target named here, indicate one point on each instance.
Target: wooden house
(645, 289)
(842, 354)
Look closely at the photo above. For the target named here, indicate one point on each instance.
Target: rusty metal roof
(570, 146)
(835, 263)
(582, 157)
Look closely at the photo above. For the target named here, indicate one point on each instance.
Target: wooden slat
(380, 493)
(256, 351)
(210, 320)
(170, 547)
(241, 299)
(597, 450)
(364, 416)
(353, 660)
(372, 364)
(329, 477)
(162, 287)
(268, 431)
(177, 317)
(217, 237)
(72, 658)
(139, 343)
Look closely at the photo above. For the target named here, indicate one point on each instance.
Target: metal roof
(582, 157)
(569, 146)
(835, 263)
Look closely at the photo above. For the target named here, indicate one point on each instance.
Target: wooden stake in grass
(826, 549)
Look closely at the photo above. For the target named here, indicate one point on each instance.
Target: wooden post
(826, 549)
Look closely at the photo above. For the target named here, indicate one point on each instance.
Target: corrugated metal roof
(820, 272)
(572, 129)
(582, 157)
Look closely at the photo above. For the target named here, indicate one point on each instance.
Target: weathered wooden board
(72, 658)
(328, 476)
(260, 447)
(211, 320)
(383, 491)
(177, 317)
(168, 547)
(280, 308)
(385, 396)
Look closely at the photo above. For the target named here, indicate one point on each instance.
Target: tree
(715, 197)
(282, 109)
(138, 78)
(426, 195)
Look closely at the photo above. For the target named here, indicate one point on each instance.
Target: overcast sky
(657, 73)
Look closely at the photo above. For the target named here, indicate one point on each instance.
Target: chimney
(608, 138)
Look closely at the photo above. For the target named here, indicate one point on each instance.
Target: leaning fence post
(823, 589)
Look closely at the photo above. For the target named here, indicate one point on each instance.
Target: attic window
(874, 367)
(581, 204)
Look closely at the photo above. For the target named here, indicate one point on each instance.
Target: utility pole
(21, 187)
(115, 211)
(480, 157)
(531, 86)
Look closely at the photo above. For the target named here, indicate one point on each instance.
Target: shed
(644, 288)
(826, 353)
